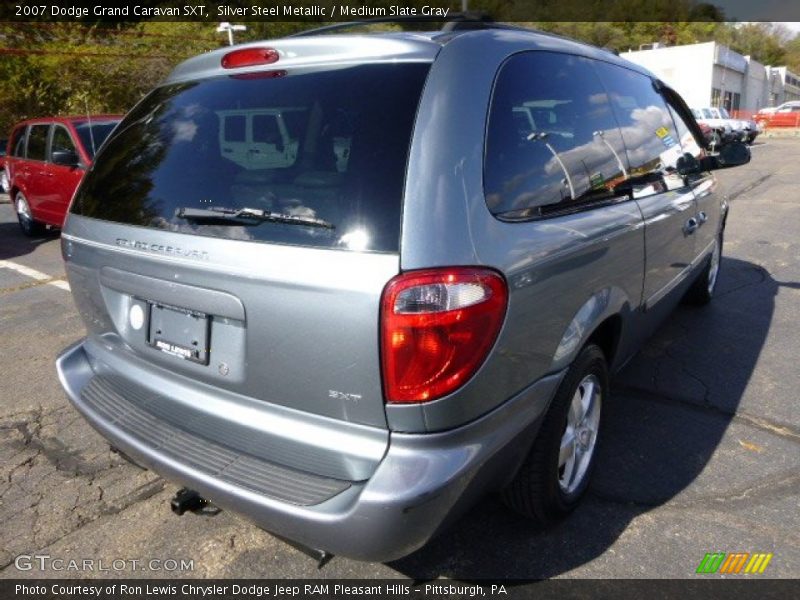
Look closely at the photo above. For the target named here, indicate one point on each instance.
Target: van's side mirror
(65, 158)
(733, 154)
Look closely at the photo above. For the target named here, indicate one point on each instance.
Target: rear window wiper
(248, 216)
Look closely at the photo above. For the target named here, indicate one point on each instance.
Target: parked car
(724, 128)
(768, 110)
(352, 343)
(752, 130)
(721, 130)
(786, 115)
(747, 129)
(3, 175)
(47, 158)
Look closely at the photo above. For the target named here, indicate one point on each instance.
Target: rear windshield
(322, 146)
(92, 136)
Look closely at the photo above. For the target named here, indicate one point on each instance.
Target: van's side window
(37, 142)
(61, 141)
(652, 142)
(552, 142)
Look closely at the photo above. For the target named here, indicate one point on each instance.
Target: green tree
(793, 54)
(52, 68)
(765, 42)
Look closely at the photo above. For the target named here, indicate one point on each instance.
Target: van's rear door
(254, 273)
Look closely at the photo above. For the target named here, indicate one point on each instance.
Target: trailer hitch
(186, 499)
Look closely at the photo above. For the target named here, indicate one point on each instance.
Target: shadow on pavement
(13, 243)
(670, 409)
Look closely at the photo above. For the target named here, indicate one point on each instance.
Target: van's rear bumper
(423, 481)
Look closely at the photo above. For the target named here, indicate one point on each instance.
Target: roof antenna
(91, 129)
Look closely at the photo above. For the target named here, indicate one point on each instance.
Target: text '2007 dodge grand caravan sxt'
(345, 284)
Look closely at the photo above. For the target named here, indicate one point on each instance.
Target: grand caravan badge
(163, 249)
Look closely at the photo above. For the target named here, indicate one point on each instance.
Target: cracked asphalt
(701, 447)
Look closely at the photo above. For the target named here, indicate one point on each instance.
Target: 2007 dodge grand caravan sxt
(346, 284)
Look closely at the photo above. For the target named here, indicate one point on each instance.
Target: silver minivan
(347, 284)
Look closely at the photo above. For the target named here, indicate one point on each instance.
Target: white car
(721, 129)
(726, 128)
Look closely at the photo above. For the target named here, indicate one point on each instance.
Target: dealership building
(711, 74)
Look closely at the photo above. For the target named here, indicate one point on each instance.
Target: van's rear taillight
(437, 326)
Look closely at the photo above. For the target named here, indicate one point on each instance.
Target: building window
(728, 101)
(715, 96)
(737, 99)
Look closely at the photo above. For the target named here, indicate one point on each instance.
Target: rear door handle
(691, 226)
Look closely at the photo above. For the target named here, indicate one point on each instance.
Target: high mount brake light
(249, 57)
(437, 327)
(259, 75)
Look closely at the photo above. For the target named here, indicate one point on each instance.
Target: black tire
(27, 224)
(702, 290)
(537, 490)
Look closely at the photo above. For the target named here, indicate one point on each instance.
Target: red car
(46, 159)
(786, 115)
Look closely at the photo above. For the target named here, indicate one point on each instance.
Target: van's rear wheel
(555, 474)
(29, 226)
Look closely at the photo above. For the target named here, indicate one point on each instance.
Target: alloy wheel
(580, 434)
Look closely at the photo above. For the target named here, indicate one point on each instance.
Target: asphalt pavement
(701, 447)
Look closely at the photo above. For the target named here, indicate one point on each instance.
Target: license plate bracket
(179, 332)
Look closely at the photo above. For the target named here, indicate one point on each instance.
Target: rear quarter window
(552, 142)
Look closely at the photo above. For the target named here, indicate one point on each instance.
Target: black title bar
(707, 588)
(325, 11)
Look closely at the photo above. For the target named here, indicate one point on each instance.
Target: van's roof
(309, 50)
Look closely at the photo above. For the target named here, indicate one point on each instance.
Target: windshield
(315, 144)
(724, 113)
(93, 137)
